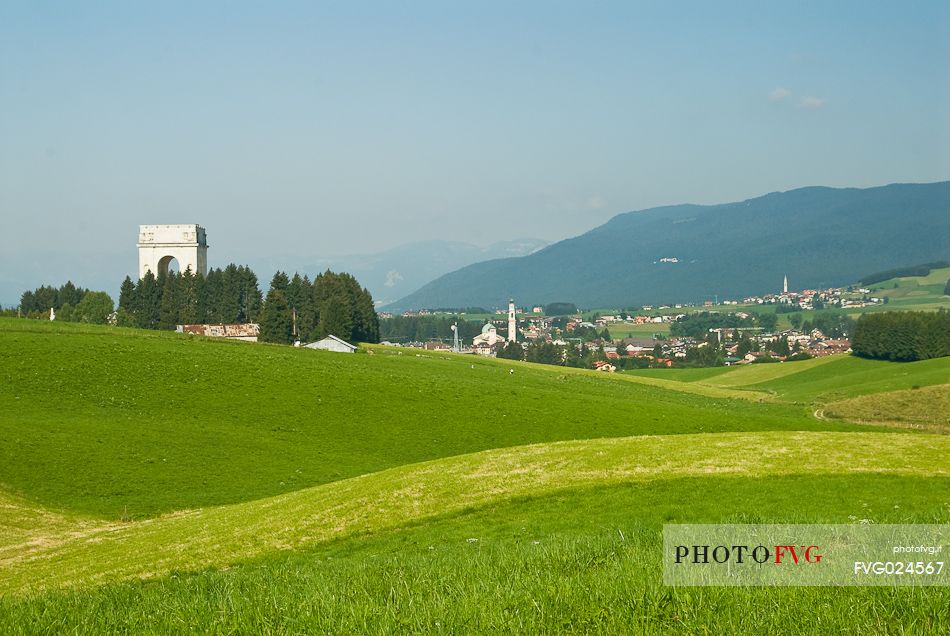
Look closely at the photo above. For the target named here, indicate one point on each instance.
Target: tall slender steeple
(785, 285)
(512, 323)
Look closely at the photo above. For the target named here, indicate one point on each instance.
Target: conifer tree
(148, 297)
(169, 314)
(276, 321)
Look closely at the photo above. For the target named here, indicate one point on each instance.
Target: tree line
(698, 325)
(69, 302)
(294, 308)
(902, 336)
(225, 296)
(425, 328)
(542, 352)
(899, 272)
(332, 304)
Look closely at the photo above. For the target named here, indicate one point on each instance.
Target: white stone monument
(159, 244)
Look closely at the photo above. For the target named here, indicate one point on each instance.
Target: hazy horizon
(299, 132)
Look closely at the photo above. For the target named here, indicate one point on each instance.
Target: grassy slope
(912, 283)
(850, 376)
(680, 375)
(122, 423)
(576, 560)
(927, 408)
(818, 380)
(226, 534)
(355, 555)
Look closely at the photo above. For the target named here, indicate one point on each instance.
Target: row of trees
(294, 307)
(424, 328)
(832, 324)
(549, 353)
(42, 299)
(331, 304)
(225, 296)
(698, 325)
(903, 336)
(913, 270)
(70, 303)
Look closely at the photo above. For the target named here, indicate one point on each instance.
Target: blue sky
(297, 130)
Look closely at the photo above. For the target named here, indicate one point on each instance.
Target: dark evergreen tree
(189, 298)
(511, 351)
(127, 294)
(148, 299)
(169, 315)
(545, 353)
(70, 294)
(280, 281)
(251, 298)
(28, 302)
(276, 322)
(745, 346)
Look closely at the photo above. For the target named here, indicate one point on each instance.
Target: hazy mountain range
(818, 236)
(398, 271)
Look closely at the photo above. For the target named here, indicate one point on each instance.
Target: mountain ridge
(817, 235)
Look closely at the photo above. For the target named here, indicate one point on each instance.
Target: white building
(159, 244)
(332, 343)
(484, 343)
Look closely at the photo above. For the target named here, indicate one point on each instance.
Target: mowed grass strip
(24, 523)
(224, 535)
(124, 423)
(815, 381)
(850, 376)
(751, 374)
(927, 408)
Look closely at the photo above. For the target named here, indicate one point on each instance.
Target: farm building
(247, 332)
(332, 343)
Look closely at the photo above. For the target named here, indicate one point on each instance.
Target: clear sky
(297, 130)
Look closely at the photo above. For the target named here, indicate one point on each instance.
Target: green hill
(142, 423)
(817, 236)
(154, 483)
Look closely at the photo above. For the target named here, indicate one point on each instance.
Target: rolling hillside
(817, 236)
(152, 482)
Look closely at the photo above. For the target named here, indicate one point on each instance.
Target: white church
(485, 342)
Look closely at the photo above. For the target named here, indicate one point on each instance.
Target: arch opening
(168, 264)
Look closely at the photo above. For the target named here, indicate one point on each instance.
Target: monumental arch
(159, 244)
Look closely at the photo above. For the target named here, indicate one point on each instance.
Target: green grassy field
(156, 483)
(145, 423)
(926, 407)
(812, 382)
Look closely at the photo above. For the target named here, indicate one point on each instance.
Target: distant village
(738, 344)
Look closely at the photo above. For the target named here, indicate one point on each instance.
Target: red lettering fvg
(806, 553)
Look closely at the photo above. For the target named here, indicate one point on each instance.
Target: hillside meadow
(128, 424)
(155, 483)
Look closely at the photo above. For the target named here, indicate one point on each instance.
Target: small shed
(332, 343)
